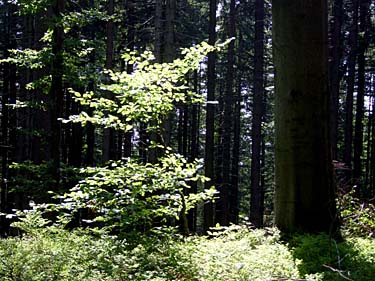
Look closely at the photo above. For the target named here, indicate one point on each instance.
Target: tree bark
(348, 141)
(56, 91)
(334, 71)
(225, 189)
(358, 129)
(305, 193)
(256, 192)
(210, 117)
(108, 134)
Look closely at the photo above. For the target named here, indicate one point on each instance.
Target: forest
(187, 140)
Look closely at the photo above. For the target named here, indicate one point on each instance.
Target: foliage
(352, 259)
(127, 195)
(146, 95)
(36, 179)
(33, 6)
(357, 216)
(62, 255)
(240, 253)
(227, 253)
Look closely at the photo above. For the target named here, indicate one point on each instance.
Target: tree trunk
(334, 69)
(305, 193)
(131, 21)
(256, 192)
(56, 91)
(233, 199)
(358, 130)
(108, 134)
(222, 205)
(348, 141)
(210, 117)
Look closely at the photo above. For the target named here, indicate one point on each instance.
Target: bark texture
(256, 191)
(305, 195)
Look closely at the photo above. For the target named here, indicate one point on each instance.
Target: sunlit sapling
(147, 94)
(127, 194)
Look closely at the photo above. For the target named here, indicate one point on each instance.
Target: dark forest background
(51, 47)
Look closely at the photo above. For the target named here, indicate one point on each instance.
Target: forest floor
(230, 253)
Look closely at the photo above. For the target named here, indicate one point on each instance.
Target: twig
(339, 272)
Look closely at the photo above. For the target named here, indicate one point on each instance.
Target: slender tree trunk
(305, 193)
(194, 150)
(154, 153)
(131, 21)
(222, 206)
(108, 134)
(348, 141)
(158, 30)
(334, 69)
(358, 130)
(256, 192)
(233, 200)
(210, 116)
(368, 148)
(56, 91)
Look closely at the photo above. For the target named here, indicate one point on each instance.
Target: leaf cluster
(127, 195)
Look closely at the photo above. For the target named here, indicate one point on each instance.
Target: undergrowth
(44, 253)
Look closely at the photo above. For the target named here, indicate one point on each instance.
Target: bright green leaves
(127, 194)
(33, 6)
(147, 94)
(29, 58)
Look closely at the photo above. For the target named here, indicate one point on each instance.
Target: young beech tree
(305, 193)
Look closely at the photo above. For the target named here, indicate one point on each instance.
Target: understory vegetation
(46, 251)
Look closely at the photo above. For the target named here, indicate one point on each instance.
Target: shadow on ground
(351, 259)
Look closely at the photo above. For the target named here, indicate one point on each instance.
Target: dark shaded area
(344, 260)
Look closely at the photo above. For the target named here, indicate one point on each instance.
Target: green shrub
(352, 259)
(357, 216)
(239, 253)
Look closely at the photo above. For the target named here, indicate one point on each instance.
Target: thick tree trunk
(256, 192)
(305, 193)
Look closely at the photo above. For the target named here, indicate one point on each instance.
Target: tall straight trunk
(372, 156)
(368, 147)
(305, 193)
(8, 118)
(222, 206)
(89, 158)
(256, 192)
(194, 150)
(158, 30)
(358, 129)
(170, 14)
(334, 71)
(75, 141)
(154, 153)
(108, 134)
(348, 141)
(233, 199)
(131, 21)
(210, 116)
(56, 90)
(23, 144)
